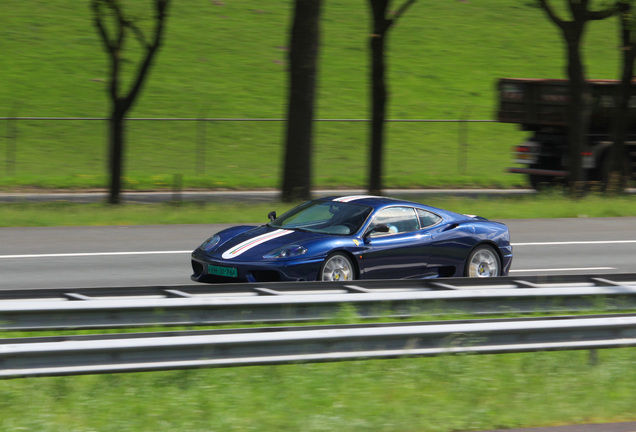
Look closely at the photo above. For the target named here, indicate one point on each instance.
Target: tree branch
(550, 12)
(112, 47)
(160, 17)
(99, 23)
(397, 14)
(121, 22)
(138, 34)
(605, 13)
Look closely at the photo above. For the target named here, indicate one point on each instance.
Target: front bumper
(506, 262)
(209, 270)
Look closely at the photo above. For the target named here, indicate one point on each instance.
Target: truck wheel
(539, 182)
(600, 175)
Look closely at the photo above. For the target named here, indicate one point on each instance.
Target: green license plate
(222, 271)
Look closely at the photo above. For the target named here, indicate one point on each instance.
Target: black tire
(600, 176)
(483, 261)
(337, 267)
(540, 182)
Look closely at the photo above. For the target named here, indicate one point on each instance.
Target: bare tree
(114, 27)
(578, 107)
(303, 55)
(383, 20)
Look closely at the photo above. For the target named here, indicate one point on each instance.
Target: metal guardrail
(76, 355)
(285, 288)
(200, 304)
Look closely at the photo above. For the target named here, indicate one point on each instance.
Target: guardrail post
(463, 140)
(593, 357)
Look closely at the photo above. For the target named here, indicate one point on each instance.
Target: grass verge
(440, 394)
(546, 205)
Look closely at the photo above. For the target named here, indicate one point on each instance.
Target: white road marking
(568, 243)
(90, 254)
(175, 252)
(563, 269)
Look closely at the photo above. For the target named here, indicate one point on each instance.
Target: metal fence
(188, 144)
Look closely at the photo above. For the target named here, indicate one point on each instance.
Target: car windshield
(329, 217)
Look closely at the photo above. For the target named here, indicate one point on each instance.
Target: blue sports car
(356, 237)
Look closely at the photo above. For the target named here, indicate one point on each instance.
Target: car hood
(256, 242)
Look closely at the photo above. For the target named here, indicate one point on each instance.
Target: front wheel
(483, 261)
(337, 267)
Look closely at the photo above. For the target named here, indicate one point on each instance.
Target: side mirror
(379, 228)
(271, 215)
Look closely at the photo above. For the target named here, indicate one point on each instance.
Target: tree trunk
(378, 113)
(619, 170)
(303, 54)
(379, 93)
(579, 104)
(116, 155)
(114, 43)
(578, 110)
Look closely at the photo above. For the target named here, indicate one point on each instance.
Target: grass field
(441, 394)
(228, 60)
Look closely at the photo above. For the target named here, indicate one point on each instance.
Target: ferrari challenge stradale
(356, 237)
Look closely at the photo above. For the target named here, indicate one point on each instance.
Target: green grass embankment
(228, 60)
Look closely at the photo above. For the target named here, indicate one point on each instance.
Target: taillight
(525, 154)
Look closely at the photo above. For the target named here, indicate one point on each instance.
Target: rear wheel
(483, 261)
(337, 267)
(542, 181)
(539, 182)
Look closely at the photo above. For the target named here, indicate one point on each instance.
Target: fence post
(463, 140)
(200, 156)
(177, 188)
(12, 141)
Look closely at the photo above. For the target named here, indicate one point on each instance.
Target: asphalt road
(159, 255)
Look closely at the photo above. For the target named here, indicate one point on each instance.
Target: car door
(402, 252)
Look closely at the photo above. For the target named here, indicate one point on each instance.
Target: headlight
(210, 243)
(286, 252)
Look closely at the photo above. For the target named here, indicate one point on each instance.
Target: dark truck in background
(539, 106)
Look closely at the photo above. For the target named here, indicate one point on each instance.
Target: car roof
(378, 202)
(370, 200)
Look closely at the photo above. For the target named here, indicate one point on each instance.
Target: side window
(427, 218)
(399, 220)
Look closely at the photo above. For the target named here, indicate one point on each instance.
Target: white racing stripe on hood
(253, 242)
(353, 198)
